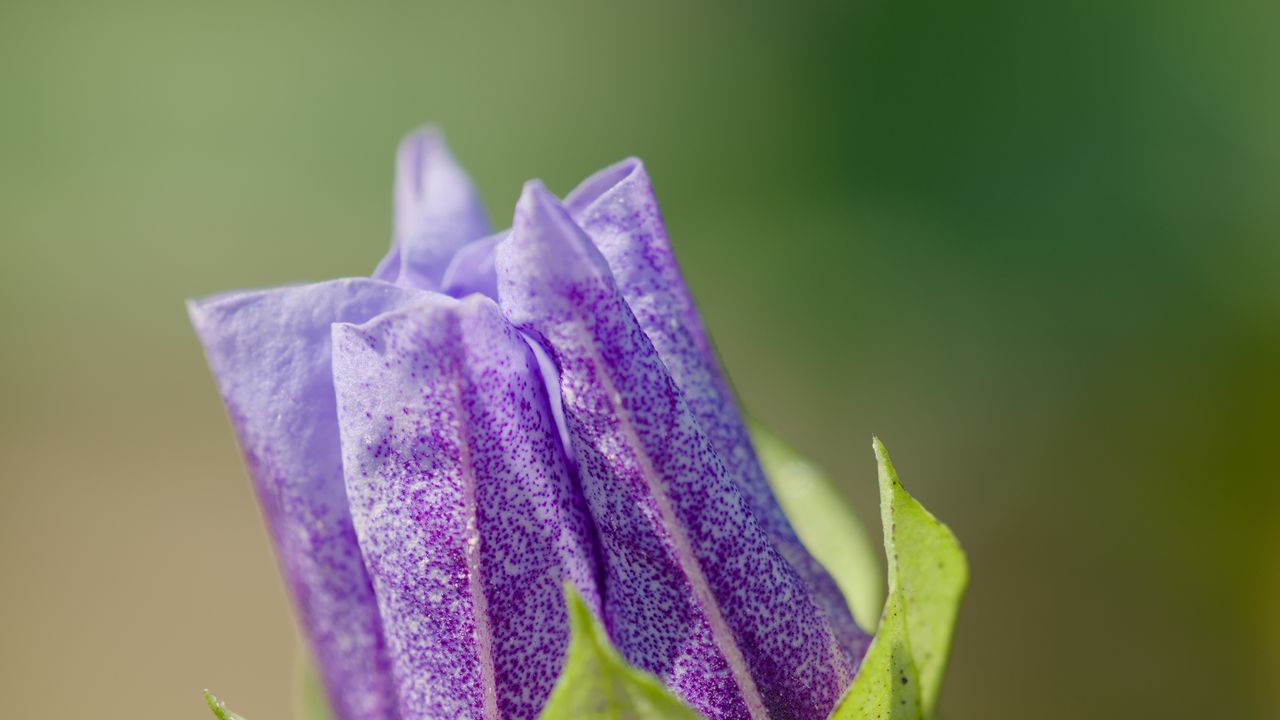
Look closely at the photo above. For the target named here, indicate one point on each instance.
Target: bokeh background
(1034, 246)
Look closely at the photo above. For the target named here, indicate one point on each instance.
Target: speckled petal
(437, 211)
(269, 351)
(617, 209)
(694, 589)
(468, 518)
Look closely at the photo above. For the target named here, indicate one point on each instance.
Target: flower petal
(468, 518)
(694, 590)
(437, 211)
(471, 270)
(617, 209)
(269, 351)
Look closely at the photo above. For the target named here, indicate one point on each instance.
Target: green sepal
(902, 672)
(887, 686)
(597, 684)
(219, 708)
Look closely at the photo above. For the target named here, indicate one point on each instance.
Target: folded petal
(694, 591)
(437, 211)
(617, 209)
(471, 269)
(269, 351)
(468, 518)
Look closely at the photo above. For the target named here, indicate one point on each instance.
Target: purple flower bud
(433, 470)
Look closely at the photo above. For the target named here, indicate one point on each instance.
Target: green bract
(887, 686)
(902, 673)
(219, 708)
(597, 684)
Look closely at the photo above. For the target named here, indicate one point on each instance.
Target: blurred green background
(1034, 246)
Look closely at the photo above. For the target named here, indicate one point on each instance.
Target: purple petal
(437, 211)
(471, 270)
(269, 351)
(617, 209)
(467, 515)
(694, 590)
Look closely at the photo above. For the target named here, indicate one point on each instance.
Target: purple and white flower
(438, 449)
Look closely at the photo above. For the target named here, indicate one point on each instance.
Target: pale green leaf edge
(309, 701)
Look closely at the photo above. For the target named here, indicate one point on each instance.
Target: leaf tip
(218, 707)
(214, 703)
(580, 620)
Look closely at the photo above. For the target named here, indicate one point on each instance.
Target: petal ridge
(467, 516)
(617, 208)
(694, 590)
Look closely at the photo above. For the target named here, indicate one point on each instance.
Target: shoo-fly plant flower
(506, 478)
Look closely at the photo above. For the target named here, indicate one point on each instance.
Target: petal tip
(546, 235)
(629, 172)
(424, 137)
(535, 196)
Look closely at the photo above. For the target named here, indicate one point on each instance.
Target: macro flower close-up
(441, 449)
(356, 367)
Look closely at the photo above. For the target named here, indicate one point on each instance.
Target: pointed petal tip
(198, 316)
(547, 262)
(199, 308)
(534, 197)
(543, 229)
(202, 312)
(428, 135)
(436, 210)
(195, 312)
(629, 172)
(415, 156)
(630, 167)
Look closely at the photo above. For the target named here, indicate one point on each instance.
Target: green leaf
(887, 686)
(219, 708)
(309, 702)
(597, 684)
(902, 673)
(929, 569)
(826, 525)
